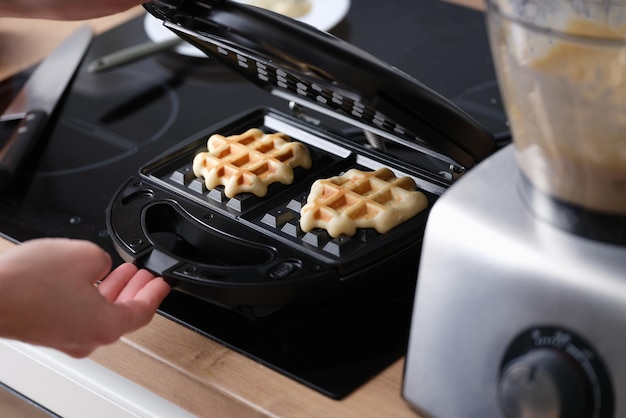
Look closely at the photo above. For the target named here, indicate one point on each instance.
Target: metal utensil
(131, 54)
(28, 113)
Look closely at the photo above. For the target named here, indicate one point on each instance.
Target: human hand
(49, 295)
(64, 9)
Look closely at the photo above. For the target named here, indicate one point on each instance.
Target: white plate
(324, 15)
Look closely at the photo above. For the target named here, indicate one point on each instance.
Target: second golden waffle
(359, 199)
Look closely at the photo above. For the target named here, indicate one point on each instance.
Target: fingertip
(158, 288)
(138, 311)
(127, 269)
(161, 282)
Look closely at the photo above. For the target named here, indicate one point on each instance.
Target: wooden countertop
(192, 371)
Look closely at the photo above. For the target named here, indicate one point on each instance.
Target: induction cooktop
(114, 122)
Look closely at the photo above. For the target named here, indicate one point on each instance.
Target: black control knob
(545, 382)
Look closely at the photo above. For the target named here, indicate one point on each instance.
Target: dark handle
(19, 144)
(222, 260)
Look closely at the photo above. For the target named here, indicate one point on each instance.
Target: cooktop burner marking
(126, 144)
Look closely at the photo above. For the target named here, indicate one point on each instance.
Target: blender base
(497, 283)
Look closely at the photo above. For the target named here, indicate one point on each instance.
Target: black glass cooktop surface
(112, 123)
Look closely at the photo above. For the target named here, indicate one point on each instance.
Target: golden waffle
(250, 162)
(360, 199)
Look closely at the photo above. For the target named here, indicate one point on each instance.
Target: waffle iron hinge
(454, 172)
(375, 140)
(297, 111)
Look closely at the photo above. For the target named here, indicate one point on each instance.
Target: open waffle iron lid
(319, 71)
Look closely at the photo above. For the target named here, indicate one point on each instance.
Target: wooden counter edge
(206, 378)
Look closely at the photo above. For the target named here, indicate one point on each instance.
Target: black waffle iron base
(249, 250)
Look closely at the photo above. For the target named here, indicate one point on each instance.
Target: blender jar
(561, 67)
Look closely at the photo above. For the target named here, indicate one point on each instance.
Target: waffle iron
(351, 110)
